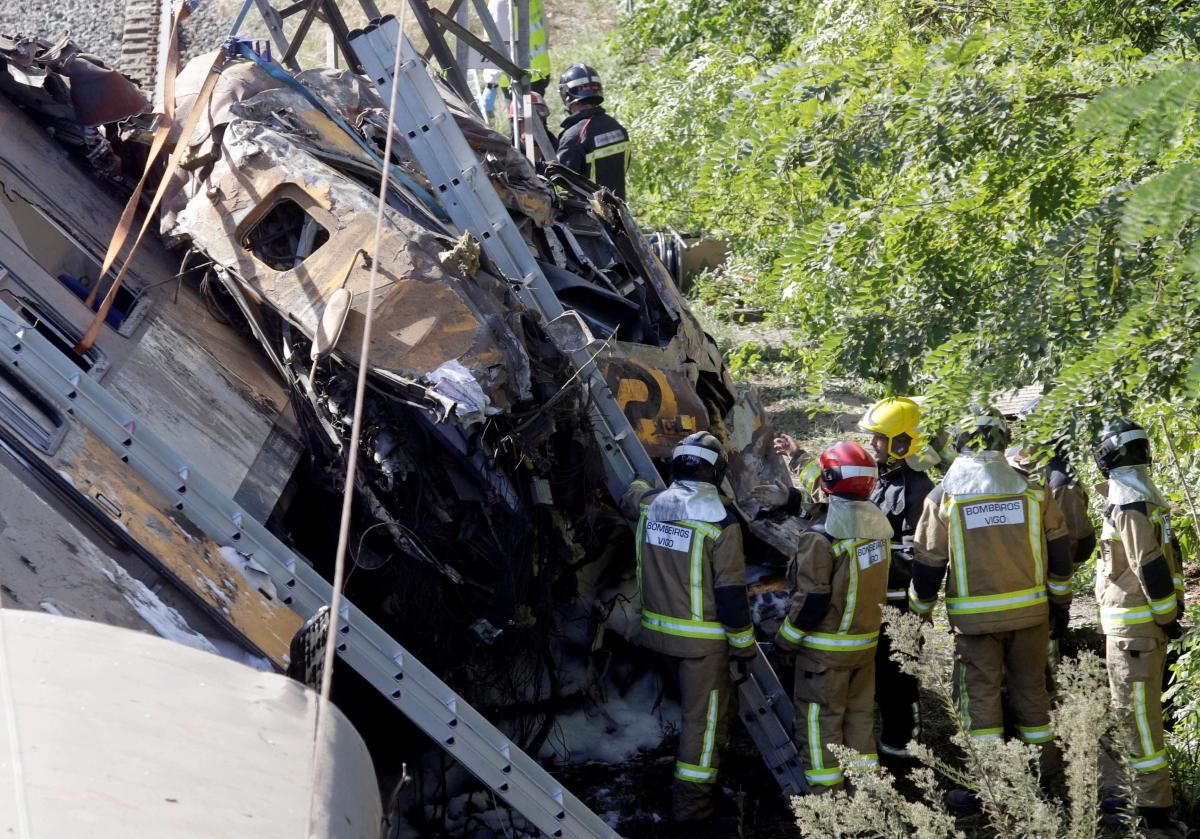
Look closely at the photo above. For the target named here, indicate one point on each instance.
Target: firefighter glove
(743, 660)
(770, 496)
(1173, 630)
(1060, 619)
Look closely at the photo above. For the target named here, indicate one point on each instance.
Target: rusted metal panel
(190, 558)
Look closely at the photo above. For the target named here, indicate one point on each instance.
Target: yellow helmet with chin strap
(899, 419)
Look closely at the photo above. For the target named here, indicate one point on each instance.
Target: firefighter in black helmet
(592, 143)
(1139, 588)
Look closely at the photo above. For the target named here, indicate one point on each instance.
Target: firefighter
(1139, 588)
(1072, 500)
(692, 579)
(839, 575)
(804, 499)
(894, 426)
(1006, 546)
(592, 142)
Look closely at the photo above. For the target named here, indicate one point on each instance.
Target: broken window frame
(318, 220)
(135, 313)
(41, 316)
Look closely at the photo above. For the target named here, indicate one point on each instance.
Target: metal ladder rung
(398, 675)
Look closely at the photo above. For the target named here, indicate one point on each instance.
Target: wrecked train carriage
(480, 507)
(502, 496)
(83, 535)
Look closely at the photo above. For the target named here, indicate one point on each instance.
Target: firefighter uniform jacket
(840, 587)
(596, 146)
(692, 580)
(1139, 585)
(1007, 555)
(1073, 501)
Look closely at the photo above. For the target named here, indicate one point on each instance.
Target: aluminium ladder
(466, 192)
(403, 680)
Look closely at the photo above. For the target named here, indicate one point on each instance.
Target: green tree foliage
(949, 197)
(941, 196)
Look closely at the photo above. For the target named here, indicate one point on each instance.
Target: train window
(285, 236)
(24, 411)
(55, 329)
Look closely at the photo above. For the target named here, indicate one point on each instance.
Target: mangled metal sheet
(481, 534)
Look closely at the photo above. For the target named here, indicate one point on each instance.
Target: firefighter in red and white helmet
(839, 575)
(541, 112)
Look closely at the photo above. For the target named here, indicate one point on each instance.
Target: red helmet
(539, 106)
(848, 471)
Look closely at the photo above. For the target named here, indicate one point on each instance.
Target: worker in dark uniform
(592, 143)
(896, 440)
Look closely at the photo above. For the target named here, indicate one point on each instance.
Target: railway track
(144, 44)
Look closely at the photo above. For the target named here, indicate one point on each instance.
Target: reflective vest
(995, 546)
(857, 580)
(1139, 584)
(679, 566)
(539, 43)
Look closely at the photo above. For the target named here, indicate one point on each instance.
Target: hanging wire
(339, 568)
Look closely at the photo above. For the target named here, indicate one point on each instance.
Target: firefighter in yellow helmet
(897, 443)
(839, 579)
(691, 575)
(1005, 543)
(1139, 588)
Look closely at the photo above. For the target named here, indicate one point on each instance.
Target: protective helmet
(899, 419)
(1121, 442)
(985, 429)
(578, 83)
(848, 471)
(698, 457)
(540, 108)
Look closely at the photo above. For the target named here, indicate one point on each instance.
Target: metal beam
(310, 14)
(476, 43)
(274, 25)
(441, 51)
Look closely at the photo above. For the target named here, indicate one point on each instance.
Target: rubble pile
(483, 538)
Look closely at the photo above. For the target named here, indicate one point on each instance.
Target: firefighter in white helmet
(1005, 544)
(1139, 587)
(691, 573)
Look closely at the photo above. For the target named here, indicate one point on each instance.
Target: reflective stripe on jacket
(596, 146)
(1139, 585)
(837, 606)
(995, 549)
(680, 566)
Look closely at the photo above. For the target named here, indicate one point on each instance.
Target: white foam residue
(617, 731)
(161, 618)
(455, 381)
(215, 589)
(182, 530)
(479, 814)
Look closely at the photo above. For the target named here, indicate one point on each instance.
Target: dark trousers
(898, 699)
